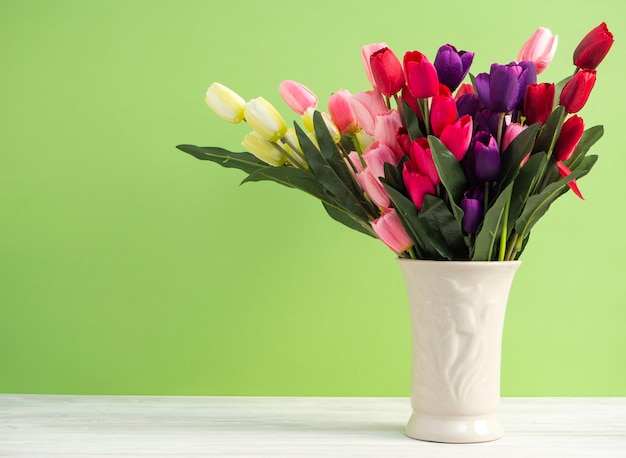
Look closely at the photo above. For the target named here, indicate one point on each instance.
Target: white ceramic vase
(457, 317)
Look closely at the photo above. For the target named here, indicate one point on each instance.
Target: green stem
(511, 252)
(505, 230)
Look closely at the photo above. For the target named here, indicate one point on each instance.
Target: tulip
(374, 189)
(366, 106)
(341, 113)
(565, 171)
(539, 102)
(422, 157)
(457, 136)
(467, 104)
(411, 102)
(571, 133)
(387, 126)
(444, 90)
(376, 156)
(418, 185)
(353, 162)
(452, 65)
(442, 112)
(264, 119)
(505, 86)
(390, 230)
(472, 213)
(366, 54)
(225, 103)
(465, 88)
(486, 157)
(421, 75)
(511, 131)
(576, 91)
(593, 48)
(307, 120)
(387, 72)
(297, 96)
(539, 49)
(266, 151)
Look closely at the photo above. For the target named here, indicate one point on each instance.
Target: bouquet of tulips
(435, 168)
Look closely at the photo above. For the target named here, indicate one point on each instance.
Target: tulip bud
(539, 102)
(504, 87)
(465, 88)
(539, 49)
(366, 106)
(452, 65)
(390, 230)
(593, 48)
(472, 214)
(442, 112)
(418, 185)
(376, 156)
(366, 54)
(225, 103)
(511, 131)
(387, 72)
(341, 112)
(264, 119)
(571, 133)
(422, 157)
(297, 96)
(576, 91)
(387, 126)
(457, 136)
(420, 75)
(264, 150)
(486, 157)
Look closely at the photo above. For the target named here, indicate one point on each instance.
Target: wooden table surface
(114, 426)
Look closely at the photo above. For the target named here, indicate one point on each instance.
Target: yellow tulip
(226, 103)
(265, 119)
(266, 151)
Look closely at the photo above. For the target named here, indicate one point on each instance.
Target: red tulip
(457, 136)
(539, 102)
(390, 230)
(417, 184)
(366, 53)
(565, 171)
(422, 157)
(387, 72)
(571, 133)
(465, 88)
(420, 75)
(577, 90)
(341, 112)
(442, 112)
(593, 48)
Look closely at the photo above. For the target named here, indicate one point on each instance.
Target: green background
(128, 267)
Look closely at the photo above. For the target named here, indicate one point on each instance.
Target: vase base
(454, 430)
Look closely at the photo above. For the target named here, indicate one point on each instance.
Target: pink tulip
(421, 75)
(422, 157)
(366, 54)
(390, 230)
(571, 133)
(341, 113)
(539, 49)
(353, 161)
(457, 136)
(375, 157)
(297, 96)
(366, 106)
(387, 72)
(442, 112)
(417, 184)
(565, 171)
(386, 131)
(374, 189)
(511, 131)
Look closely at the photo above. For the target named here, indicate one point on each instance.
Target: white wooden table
(112, 426)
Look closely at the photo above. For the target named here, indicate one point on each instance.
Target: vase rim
(431, 261)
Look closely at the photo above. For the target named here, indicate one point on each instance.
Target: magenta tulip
(539, 102)
(417, 184)
(577, 90)
(457, 136)
(421, 75)
(539, 49)
(341, 113)
(387, 72)
(442, 112)
(422, 157)
(571, 133)
(297, 96)
(593, 48)
(390, 230)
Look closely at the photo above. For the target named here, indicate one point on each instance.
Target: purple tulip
(472, 213)
(452, 65)
(504, 87)
(486, 157)
(488, 120)
(467, 104)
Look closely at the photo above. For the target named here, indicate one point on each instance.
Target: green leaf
(489, 234)
(550, 131)
(514, 154)
(292, 178)
(412, 122)
(243, 161)
(451, 174)
(340, 185)
(558, 88)
(393, 174)
(349, 220)
(524, 185)
(589, 138)
(538, 204)
(441, 226)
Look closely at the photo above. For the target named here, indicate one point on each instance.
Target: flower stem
(505, 230)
